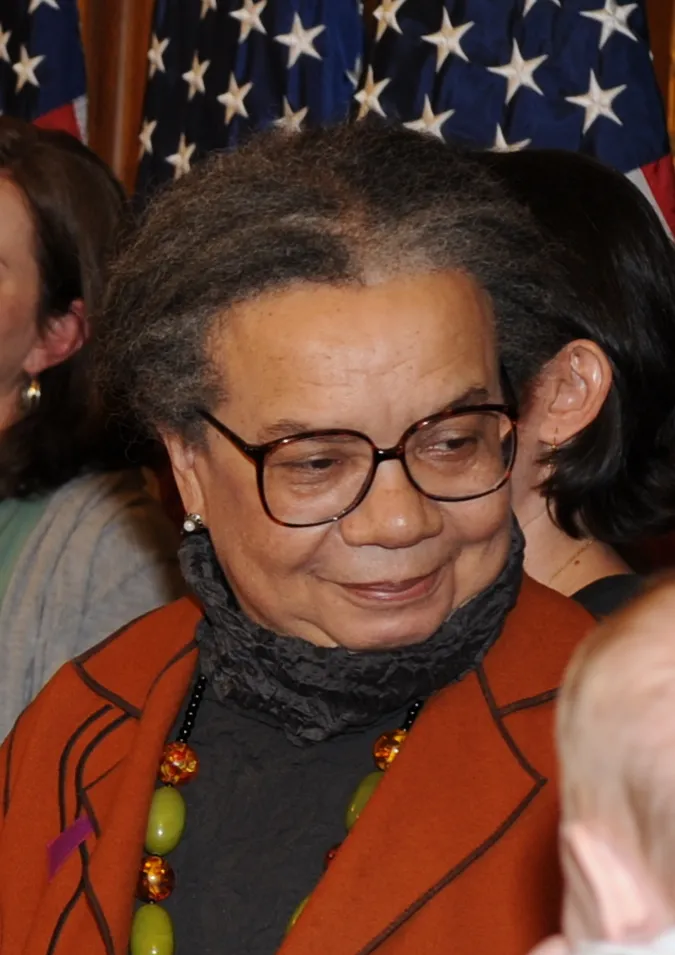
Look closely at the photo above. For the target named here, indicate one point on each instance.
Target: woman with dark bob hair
(82, 545)
(365, 678)
(596, 460)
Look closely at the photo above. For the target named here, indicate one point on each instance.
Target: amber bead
(387, 748)
(330, 855)
(179, 764)
(156, 880)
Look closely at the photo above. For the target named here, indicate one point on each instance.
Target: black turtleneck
(261, 815)
(284, 735)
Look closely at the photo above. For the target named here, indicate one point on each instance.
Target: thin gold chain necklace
(575, 556)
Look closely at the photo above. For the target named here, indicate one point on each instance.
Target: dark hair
(77, 208)
(615, 480)
(337, 206)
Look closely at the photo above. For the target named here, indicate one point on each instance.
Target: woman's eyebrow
(476, 394)
(287, 427)
(284, 428)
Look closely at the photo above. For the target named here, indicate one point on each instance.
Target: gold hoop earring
(31, 394)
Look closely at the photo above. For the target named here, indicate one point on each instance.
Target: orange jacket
(455, 853)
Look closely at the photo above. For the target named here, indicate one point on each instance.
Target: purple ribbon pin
(65, 844)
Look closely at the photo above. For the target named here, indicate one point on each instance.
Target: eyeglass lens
(313, 479)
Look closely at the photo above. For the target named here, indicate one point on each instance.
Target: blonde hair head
(616, 731)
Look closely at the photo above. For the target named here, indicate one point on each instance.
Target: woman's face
(373, 359)
(19, 294)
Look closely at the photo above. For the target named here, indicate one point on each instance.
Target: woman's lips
(399, 591)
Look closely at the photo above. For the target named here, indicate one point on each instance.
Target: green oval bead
(296, 915)
(362, 794)
(166, 821)
(151, 932)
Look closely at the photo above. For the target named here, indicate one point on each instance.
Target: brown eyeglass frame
(258, 454)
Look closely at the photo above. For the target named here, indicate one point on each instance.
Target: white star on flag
(429, 122)
(519, 72)
(385, 15)
(180, 160)
(208, 5)
(369, 96)
(25, 69)
(501, 146)
(4, 40)
(195, 77)
(233, 99)
(597, 102)
(300, 41)
(292, 121)
(249, 17)
(448, 40)
(34, 4)
(530, 3)
(156, 55)
(614, 19)
(145, 137)
(354, 76)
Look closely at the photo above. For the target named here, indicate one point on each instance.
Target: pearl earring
(192, 523)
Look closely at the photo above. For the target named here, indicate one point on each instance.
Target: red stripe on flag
(61, 118)
(660, 178)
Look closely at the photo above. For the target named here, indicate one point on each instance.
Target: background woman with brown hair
(82, 545)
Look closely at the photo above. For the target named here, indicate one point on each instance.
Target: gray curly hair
(350, 204)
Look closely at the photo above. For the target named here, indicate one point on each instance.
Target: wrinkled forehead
(337, 353)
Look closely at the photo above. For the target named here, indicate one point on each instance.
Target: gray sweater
(101, 554)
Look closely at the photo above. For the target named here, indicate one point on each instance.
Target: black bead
(412, 714)
(192, 709)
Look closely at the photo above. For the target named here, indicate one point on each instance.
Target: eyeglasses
(320, 476)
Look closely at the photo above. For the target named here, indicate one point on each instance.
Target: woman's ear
(575, 386)
(59, 340)
(185, 466)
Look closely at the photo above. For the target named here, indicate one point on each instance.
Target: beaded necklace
(151, 929)
(385, 750)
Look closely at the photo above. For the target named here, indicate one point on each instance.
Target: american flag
(499, 74)
(42, 75)
(218, 69)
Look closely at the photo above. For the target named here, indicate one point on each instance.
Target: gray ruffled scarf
(316, 693)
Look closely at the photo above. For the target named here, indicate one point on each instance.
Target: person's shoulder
(608, 594)
(540, 635)
(123, 667)
(108, 491)
(138, 676)
(149, 641)
(540, 613)
(544, 603)
(114, 517)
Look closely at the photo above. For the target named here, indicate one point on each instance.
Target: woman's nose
(393, 513)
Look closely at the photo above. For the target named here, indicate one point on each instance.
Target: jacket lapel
(119, 800)
(455, 789)
(474, 766)
(108, 774)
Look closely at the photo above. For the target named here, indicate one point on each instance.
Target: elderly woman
(83, 546)
(596, 453)
(366, 679)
